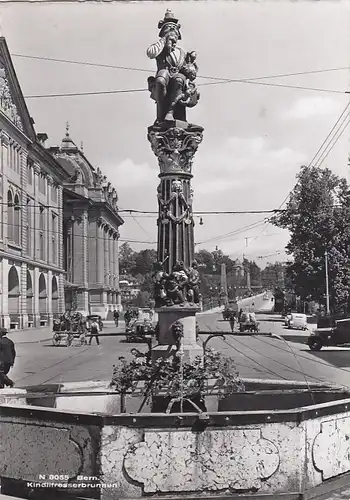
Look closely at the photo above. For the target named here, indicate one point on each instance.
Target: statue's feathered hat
(169, 22)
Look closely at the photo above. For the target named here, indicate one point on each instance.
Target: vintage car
(227, 313)
(296, 321)
(330, 332)
(139, 330)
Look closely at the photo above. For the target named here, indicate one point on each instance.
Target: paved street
(258, 356)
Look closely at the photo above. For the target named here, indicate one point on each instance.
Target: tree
(127, 258)
(205, 259)
(142, 299)
(273, 276)
(317, 218)
(144, 261)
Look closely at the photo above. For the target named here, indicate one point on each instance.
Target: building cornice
(30, 262)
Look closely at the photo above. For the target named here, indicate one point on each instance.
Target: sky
(256, 137)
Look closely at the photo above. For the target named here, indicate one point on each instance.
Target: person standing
(233, 321)
(7, 358)
(94, 332)
(116, 318)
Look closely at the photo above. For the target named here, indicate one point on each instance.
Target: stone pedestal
(167, 317)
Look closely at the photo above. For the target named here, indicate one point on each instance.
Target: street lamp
(327, 283)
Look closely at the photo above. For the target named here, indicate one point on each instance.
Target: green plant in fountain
(164, 376)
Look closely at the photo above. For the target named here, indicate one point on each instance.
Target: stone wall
(273, 453)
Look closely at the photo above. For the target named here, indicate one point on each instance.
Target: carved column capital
(4, 139)
(175, 147)
(50, 180)
(37, 169)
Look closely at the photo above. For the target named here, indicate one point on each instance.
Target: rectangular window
(19, 161)
(29, 227)
(42, 219)
(42, 246)
(10, 156)
(30, 173)
(41, 233)
(54, 193)
(54, 238)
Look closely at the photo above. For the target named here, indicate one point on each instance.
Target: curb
(103, 385)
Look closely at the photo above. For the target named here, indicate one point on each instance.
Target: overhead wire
(217, 80)
(318, 151)
(130, 68)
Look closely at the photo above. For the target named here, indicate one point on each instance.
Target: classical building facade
(31, 213)
(90, 234)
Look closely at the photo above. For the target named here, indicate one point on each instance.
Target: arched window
(10, 215)
(16, 220)
(13, 282)
(42, 287)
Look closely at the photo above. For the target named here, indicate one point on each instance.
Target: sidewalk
(43, 334)
(30, 335)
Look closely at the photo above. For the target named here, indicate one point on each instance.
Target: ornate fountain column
(174, 142)
(175, 145)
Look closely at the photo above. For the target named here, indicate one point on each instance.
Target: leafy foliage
(317, 216)
(164, 375)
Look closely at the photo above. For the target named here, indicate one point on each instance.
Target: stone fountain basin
(68, 433)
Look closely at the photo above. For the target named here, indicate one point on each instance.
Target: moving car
(330, 332)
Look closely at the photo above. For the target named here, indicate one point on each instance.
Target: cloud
(311, 107)
(129, 174)
(243, 162)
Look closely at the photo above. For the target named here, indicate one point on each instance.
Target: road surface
(257, 356)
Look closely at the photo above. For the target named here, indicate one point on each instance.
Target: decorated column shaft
(175, 148)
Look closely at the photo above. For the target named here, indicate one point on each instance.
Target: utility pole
(223, 291)
(327, 282)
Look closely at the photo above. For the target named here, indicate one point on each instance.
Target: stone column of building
(119, 298)
(60, 282)
(99, 253)
(80, 259)
(106, 259)
(114, 281)
(36, 311)
(111, 259)
(175, 144)
(36, 315)
(50, 253)
(4, 267)
(24, 223)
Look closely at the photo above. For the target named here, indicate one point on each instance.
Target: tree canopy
(317, 217)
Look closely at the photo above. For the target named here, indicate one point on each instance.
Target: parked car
(297, 321)
(330, 332)
(227, 312)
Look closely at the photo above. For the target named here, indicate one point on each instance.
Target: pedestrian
(116, 318)
(94, 332)
(127, 317)
(7, 358)
(232, 322)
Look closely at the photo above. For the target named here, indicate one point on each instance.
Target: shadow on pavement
(340, 359)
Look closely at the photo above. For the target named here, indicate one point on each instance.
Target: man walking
(116, 318)
(7, 358)
(94, 332)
